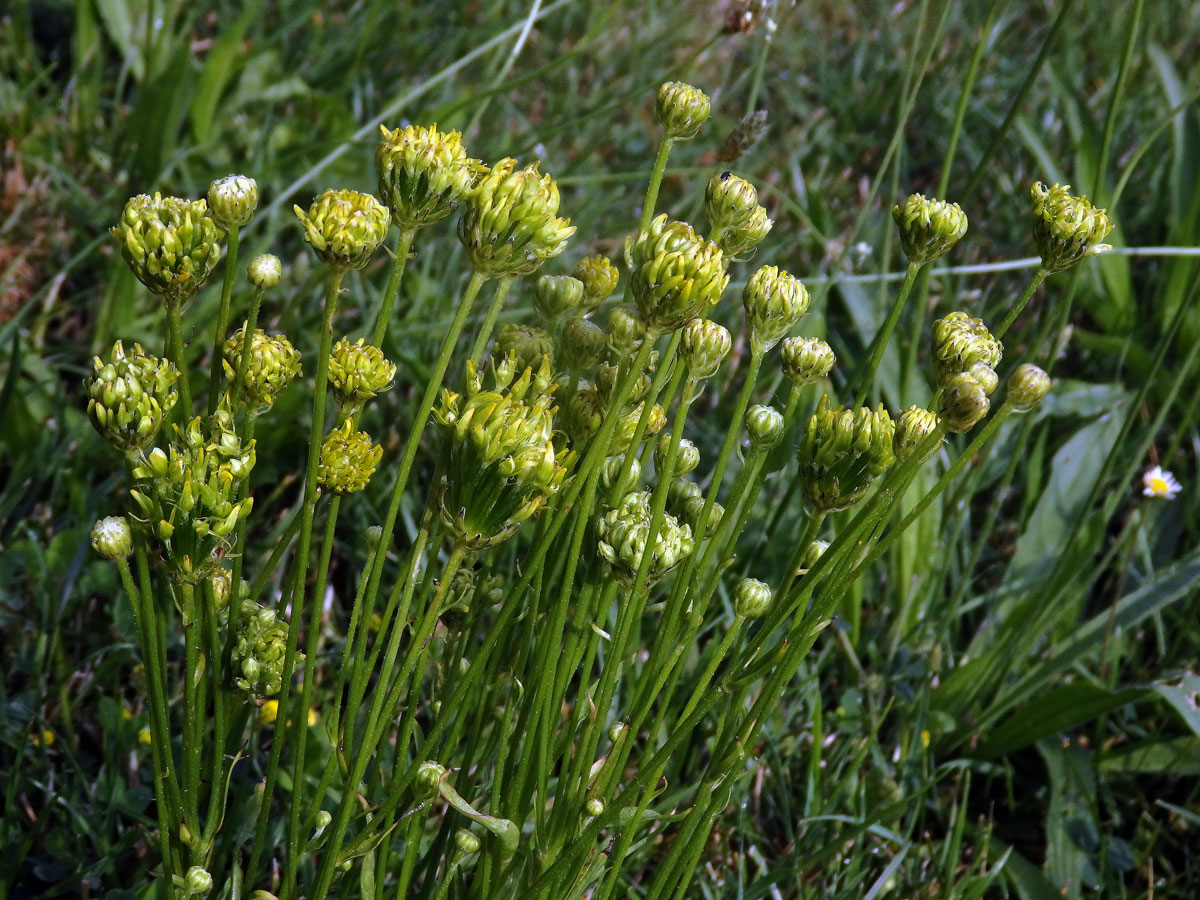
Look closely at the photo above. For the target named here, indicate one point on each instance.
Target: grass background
(1013, 684)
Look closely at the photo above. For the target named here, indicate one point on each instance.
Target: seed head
(748, 132)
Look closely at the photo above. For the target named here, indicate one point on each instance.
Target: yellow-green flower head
(599, 277)
(681, 109)
(680, 492)
(130, 397)
(841, 454)
(774, 301)
(581, 344)
(197, 881)
(348, 460)
(928, 228)
(555, 296)
(752, 598)
(687, 456)
(623, 534)
(704, 345)
(729, 201)
(585, 414)
(739, 240)
(272, 366)
(112, 538)
(626, 331)
(265, 271)
(511, 225)
(188, 494)
(963, 402)
(359, 372)
(233, 200)
(622, 438)
(676, 276)
(501, 462)
(170, 243)
(1027, 385)
(1066, 229)
(748, 132)
(806, 360)
(424, 174)
(914, 427)
(344, 228)
(527, 344)
(764, 428)
(961, 342)
(610, 471)
(259, 650)
(691, 511)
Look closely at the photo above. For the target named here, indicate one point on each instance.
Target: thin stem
(489, 323)
(392, 290)
(880, 342)
(176, 351)
(218, 351)
(239, 380)
(1038, 277)
(194, 712)
(656, 176)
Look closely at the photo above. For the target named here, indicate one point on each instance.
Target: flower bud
(765, 426)
(171, 244)
(963, 403)
(752, 599)
(913, 429)
(348, 460)
(599, 277)
(738, 240)
(730, 201)
(703, 346)
(423, 174)
(585, 414)
(623, 534)
(1066, 229)
(321, 821)
(1027, 385)
(258, 652)
(373, 536)
(675, 275)
(511, 225)
(555, 296)
(806, 360)
(814, 552)
(233, 200)
(112, 538)
(961, 343)
(430, 775)
(607, 378)
(627, 426)
(344, 228)
(358, 372)
(681, 109)
(625, 331)
(842, 452)
(680, 492)
(693, 509)
(528, 344)
(466, 843)
(594, 807)
(610, 471)
(748, 132)
(581, 345)
(928, 228)
(130, 397)
(265, 271)
(273, 365)
(774, 302)
(687, 456)
(197, 881)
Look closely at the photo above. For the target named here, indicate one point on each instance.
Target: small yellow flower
(313, 716)
(126, 713)
(1158, 482)
(47, 737)
(268, 712)
(144, 737)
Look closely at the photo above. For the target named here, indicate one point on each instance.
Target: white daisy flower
(1158, 482)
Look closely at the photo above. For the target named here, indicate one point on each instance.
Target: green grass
(1003, 706)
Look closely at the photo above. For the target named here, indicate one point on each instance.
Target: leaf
(1072, 832)
(1184, 697)
(218, 69)
(1176, 757)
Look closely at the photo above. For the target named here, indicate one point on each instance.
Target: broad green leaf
(1179, 756)
(1072, 832)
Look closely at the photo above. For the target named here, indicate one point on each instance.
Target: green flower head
(963, 402)
(1066, 229)
(961, 343)
(233, 200)
(130, 397)
(259, 650)
(358, 372)
(344, 228)
(676, 276)
(272, 365)
(841, 454)
(806, 360)
(623, 535)
(424, 174)
(528, 344)
(348, 459)
(928, 228)
(1027, 385)
(170, 243)
(681, 109)
(774, 301)
(599, 277)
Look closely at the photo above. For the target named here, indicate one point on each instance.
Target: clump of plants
(562, 671)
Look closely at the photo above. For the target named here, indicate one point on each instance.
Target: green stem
(489, 323)
(656, 177)
(176, 351)
(218, 351)
(192, 728)
(1038, 277)
(880, 342)
(392, 290)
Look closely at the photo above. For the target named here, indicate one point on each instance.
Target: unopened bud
(764, 425)
(265, 271)
(928, 228)
(687, 456)
(1027, 385)
(774, 302)
(112, 538)
(555, 296)
(233, 200)
(599, 277)
(197, 881)
(752, 599)
(681, 109)
(963, 403)
(704, 345)
(465, 842)
(806, 360)
(582, 344)
(913, 430)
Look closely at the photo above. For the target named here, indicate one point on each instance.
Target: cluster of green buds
(686, 502)
(806, 360)
(1026, 387)
(424, 174)
(739, 222)
(348, 459)
(170, 243)
(842, 453)
(623, 534)
(962, 344)
(511, 225)
(224, 595)
(928, 228)
(112, 537)
(258, 651)
(1066, 229)
(599, 278)
(358, 372)
(130, 397)
(188, 494)
(676, 275)
(557, 296)
(774, 301)
(272, 364)
(914, 430)
(681, 109)
(233, 200)
(501, 463)
(622, 439)
(527, 343)
(344, 228)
